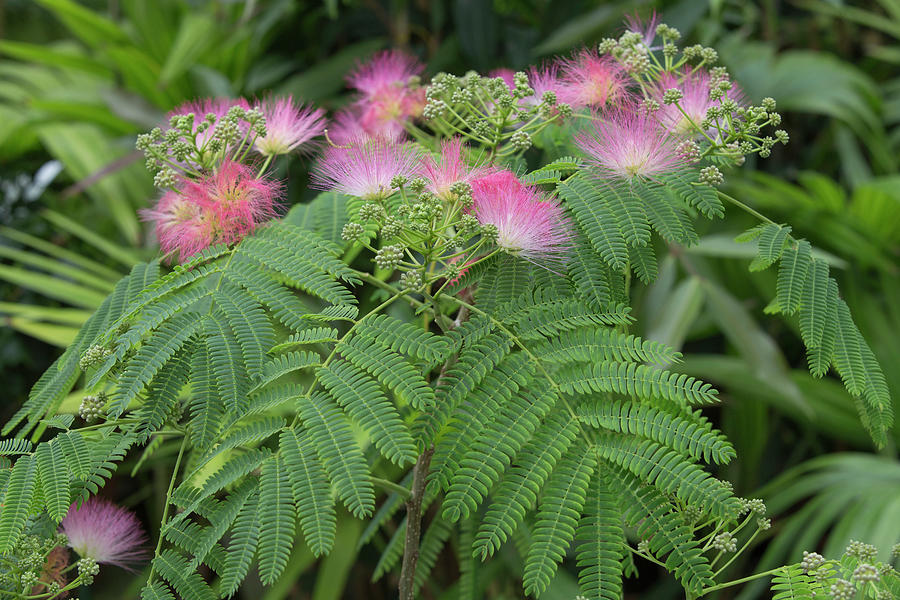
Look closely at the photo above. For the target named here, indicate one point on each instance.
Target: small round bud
(865, 573)
(607, 45)
(520, 141)
(398, 181)
(863, 552)
(644, 547)
(490, 232)
(549, 98)
(468, 225)
(672, 95)
(842, 590)
(91, 407)
(764, 524)
(165, 178)
(688, 150)
(711, 175)
(650, 105)
(371, 212)
(411, 280)
(811, 561)
(565, 110)
(352, 232)
(389, 257)
(710, 55)
(768, 104)
(782, 136)
(94, 356)
(725, 542)
(417, 185)
(391, 228)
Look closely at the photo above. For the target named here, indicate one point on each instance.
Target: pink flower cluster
(528, 225)
(387, 100)
(220, 208)
(107, 533)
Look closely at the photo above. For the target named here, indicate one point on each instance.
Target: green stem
(390, 486)
(728, 584)
(168, 502)
(746, 208)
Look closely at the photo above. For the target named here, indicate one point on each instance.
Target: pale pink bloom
(589, 79)
(204, 106)
(543, 79)
(388, 68)
(288, 125)
(388, 101)
(629, 143)
(646, 29)
(507, 75)
(181, 226)
(528, 225)
(441, 173)
(221, 208)
(107, 533)
(237, 200)
(365, 168)
(695, 86)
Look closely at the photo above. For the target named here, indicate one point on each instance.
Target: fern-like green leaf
(391, 369)
(20, 488)
(770, 246)
(207, 412)
(340, 454)
(54, 478)
(315, 335)
(400, 336)
(227, 363)
(663, 528)
(688, 433)
(560, 509)
(702, 197)
(643, 262)
(792, 275)
(521, 485)
(792, 583)
(814, 306)
(593, 345)
(250, 325)
(600, 543)
(362, 399)
(639, 381)
(596, 220)
(669, 472)
(242, 547)
(187, 582)
(283, 364)
(312, 493)
(276, 519)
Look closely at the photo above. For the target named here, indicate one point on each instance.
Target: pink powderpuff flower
(365, 168)
(288, 125)
(221, 208)
(646, 29)
(236, 199)
(543, 79)
(389, 68)
(346, 128)
(625, 144)
(388, 101)
(589, 79)
(528, 226)
(181, 226)
(441, 173)
(107, 533)
(695, 87)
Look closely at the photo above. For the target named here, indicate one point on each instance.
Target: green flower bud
(725, 542)
(417, 185)
(94, 356)
(842, 590)
(389, 257)
(865, 573)
(520, 141)
(352, 232)
(811, 561)
(411, 280)
(711, 175)
(672, 95)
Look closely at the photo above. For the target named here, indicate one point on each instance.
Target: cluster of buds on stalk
(432, 216)
(212, 163)
(857, 574)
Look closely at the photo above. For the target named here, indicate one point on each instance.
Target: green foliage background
(79, 79)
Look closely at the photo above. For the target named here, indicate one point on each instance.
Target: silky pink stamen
(107, 533)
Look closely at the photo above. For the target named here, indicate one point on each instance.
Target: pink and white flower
(588, 79)
(107, 533)
(388, 100)
(695, 102)
(629, 143)
(288, 125)
(221, 208)
(646, 29)
(507, 75)
(365, 168)
(441, 173)
(528, 225)
(543, 79)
